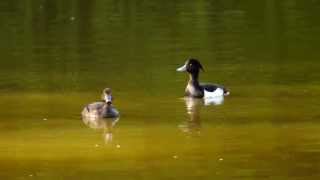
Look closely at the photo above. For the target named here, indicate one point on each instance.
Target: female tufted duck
(103, 109)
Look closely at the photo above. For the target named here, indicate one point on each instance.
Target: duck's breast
(111, 112)
(192, 91)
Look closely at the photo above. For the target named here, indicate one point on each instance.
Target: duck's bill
(182, 68)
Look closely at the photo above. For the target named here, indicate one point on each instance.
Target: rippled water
(57, 56)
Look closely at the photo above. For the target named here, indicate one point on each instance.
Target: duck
(200, 90)
(101, 109)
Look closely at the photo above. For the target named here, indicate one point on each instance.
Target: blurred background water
(57, 56)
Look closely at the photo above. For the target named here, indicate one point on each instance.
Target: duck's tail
(226, 92)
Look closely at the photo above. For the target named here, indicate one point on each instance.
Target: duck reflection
(192, 126)
(107, 124)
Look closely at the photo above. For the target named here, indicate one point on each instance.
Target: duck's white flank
(218, 92)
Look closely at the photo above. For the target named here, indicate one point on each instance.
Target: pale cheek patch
(108, 98)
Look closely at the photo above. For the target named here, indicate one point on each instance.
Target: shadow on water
(192, 125)
(106, 124)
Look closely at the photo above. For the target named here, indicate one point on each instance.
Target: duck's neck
(193, 88)
(193, 79)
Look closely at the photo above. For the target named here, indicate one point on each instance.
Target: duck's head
(191, 66)
(106, 96)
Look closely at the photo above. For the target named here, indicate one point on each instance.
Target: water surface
(57, 56)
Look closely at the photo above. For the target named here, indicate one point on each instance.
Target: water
(57, 56)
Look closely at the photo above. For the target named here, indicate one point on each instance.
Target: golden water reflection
(106, 124)
(192, 125)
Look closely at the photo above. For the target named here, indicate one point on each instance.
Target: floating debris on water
(220, 159)
(72, 18)
(175, 157)
(118, 146)
(44, 119)
(97, 145)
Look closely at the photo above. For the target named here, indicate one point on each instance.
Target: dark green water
(57, 56)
